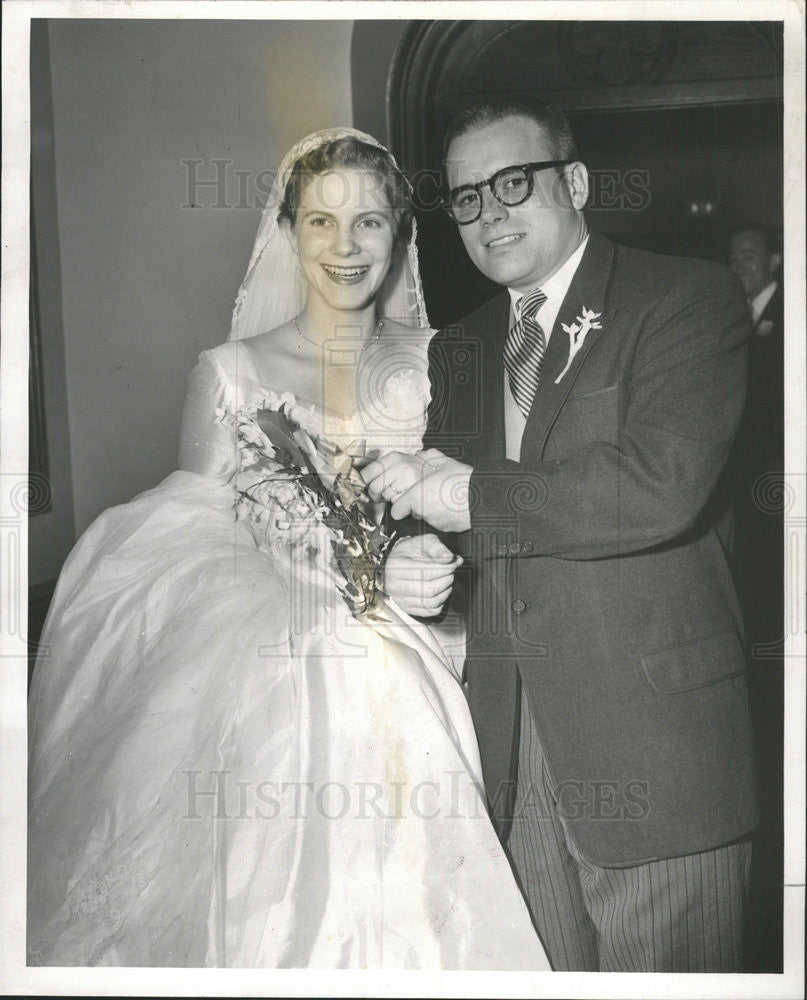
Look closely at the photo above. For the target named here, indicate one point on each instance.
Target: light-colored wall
(146, 282)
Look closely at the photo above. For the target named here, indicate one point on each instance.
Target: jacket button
(519, 606)
(515, 548)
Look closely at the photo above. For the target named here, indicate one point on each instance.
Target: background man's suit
(601, 584)
(759, 469)
(759, 475)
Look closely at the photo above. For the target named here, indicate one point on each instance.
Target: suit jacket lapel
(491, 356)
(502, 327)
(588, 290)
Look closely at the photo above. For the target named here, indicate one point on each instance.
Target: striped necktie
(524, 351)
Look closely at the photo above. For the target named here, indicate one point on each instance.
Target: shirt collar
(557, 285)
(761, 299)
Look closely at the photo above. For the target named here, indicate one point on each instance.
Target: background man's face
(751, 262)
(522, 245)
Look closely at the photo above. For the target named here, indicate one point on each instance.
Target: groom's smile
(500, 241)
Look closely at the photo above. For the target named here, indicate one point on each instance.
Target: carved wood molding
(598, 62)
(580, 66)
(423, 53)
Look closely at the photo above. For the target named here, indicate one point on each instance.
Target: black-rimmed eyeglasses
(510, 186)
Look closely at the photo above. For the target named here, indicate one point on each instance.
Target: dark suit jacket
(597, 566)
(759, 464)
(762, 427)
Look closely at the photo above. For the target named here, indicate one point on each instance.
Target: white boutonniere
(578, 331)
(764, 327)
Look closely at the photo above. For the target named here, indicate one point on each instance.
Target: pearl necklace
(379, 326)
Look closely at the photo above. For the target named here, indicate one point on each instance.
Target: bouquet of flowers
(304, 491)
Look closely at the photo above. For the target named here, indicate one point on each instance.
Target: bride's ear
(288, 231)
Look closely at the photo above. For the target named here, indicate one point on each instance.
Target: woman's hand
(428, 485)
(419, 575)
(391, 475)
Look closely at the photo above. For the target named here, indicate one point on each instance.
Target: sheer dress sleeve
(206, 446)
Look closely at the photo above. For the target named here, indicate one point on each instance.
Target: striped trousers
(676, 915)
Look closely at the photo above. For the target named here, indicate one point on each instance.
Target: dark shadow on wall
(51, 529)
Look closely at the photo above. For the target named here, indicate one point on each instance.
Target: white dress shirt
(760, 300)
(555, 289)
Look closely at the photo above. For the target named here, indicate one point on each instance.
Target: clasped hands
(419, 572)
(427, 485)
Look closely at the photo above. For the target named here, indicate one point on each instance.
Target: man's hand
(419, 575)
(428, 485)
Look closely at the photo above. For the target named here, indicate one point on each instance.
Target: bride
(227, 767)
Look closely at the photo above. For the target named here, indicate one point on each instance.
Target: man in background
(756, 259)
(755, 256)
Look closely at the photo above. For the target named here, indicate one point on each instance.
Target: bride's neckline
(264, 387)
(420, 338)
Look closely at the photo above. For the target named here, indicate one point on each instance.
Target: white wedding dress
(228, 770)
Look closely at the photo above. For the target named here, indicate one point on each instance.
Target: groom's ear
(288, 231)
(576, 176)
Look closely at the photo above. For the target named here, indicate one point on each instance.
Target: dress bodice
(393, 389)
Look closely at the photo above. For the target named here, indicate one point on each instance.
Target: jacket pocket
(690, 665)
(576, 397)
(588, 417)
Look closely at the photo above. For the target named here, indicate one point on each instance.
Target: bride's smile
(345, 275)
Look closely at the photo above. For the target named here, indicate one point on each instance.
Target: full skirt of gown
(227, 769)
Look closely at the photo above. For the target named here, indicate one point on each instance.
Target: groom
(585, 476)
